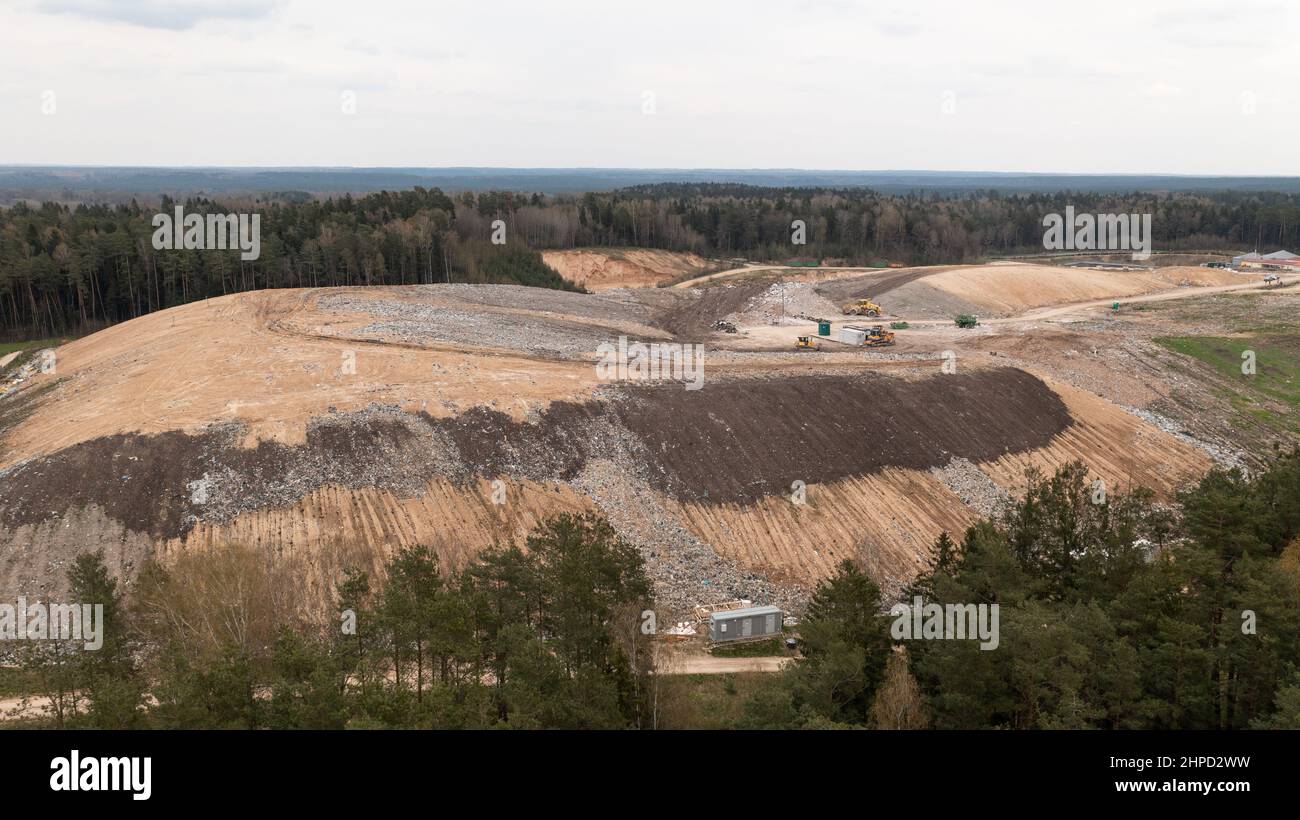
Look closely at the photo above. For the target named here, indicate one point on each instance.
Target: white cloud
(1163, 90)
(1110, 87)
(164, 14)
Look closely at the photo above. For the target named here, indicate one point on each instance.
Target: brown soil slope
(1009, 288)
(330, 427)
(876, 283)
(600, 270)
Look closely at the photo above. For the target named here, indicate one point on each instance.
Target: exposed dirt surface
(1008, 288)
(137, 480)
(922, 300)
(874, 284)
(888, 522)
(273, 361)
(786, 303)
(736, 442)
(554, 323)
(601, 270)
(654, 459)
(162, 484)
(741, 441)
(692, 318)
(330, 427)
(17, 409)
(709, 665)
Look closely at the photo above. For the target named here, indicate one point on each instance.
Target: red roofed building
(1277, 260)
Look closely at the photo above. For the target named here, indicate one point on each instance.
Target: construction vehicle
(807, 343)
(861, 336)
(862, 307)
(724, 326)
(877, 336)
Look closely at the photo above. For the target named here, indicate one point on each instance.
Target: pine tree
(113, 686)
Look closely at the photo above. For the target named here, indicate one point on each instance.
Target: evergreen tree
(845, 643)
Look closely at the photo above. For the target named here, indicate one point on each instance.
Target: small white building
(855, 336)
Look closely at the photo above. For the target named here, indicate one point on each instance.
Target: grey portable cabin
(851, 335)
(743, 624)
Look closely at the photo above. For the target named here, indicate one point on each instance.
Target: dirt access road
(12, 708)
(775, 334)
(709, 665)
(723, 274)
(1180, 293)
(1006, 290)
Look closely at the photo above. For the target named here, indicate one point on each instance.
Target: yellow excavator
(807, 343)
(862, 307)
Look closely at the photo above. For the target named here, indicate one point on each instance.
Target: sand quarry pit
(1001, 289)
(601, 270)
(329, 427)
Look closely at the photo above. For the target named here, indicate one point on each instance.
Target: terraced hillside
(329, 427)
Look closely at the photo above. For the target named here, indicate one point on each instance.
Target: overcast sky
(1131, 86)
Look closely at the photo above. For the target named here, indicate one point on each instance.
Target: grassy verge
(1253, 312)
(9, 347)
(16, 682)
(25, 351)
(757, 649)
(708, 701)
(1269, 397)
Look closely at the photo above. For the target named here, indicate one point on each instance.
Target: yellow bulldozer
(807, 343)
(877, 336)
(862, 307)
(874, 336)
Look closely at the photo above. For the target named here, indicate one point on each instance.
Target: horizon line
(600, 168)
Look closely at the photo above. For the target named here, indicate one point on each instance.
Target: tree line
(1116, 612)
(70, 269)
(545, 634)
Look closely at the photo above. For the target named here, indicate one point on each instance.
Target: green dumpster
(823, 328)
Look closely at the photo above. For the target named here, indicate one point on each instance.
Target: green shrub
(966, 320)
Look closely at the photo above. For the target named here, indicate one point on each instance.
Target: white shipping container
(852, 336)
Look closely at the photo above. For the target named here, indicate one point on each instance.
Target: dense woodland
(67, 270)
(1116, 612)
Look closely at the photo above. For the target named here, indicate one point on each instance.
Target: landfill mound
(330, 427)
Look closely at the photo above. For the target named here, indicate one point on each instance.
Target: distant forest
(71, 269)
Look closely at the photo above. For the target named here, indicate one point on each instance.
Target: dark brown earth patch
(691, 319)
(872, 285)
(138, 480)
(740, 441)
(732, 441)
